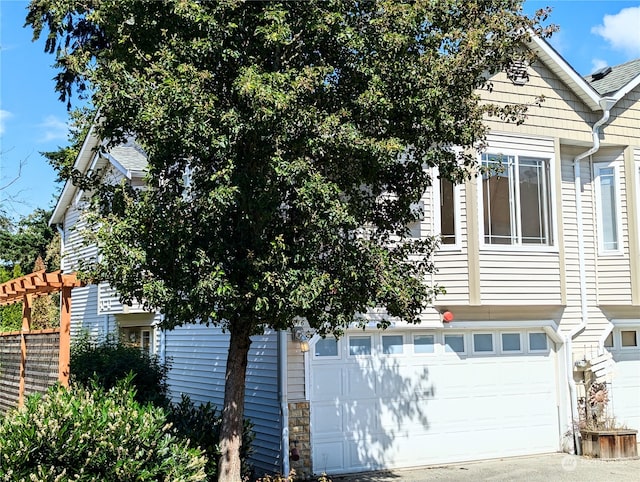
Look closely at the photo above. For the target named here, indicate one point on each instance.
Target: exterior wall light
(298, 334)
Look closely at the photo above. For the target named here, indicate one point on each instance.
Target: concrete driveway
(539, 468)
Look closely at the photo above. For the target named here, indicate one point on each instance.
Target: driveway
(539, 468)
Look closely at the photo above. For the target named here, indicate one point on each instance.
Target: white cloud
(597, 64)
(4, 115)
(622, 30)
(54, 129)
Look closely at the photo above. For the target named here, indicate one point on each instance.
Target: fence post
(26, 327)
(64, 356)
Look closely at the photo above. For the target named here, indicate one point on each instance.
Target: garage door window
(454, 343)
(392, 344)
(483, 343)
(608, 342)
(629, 338)
(359, 345)
(538, 342)
(511, 343)
(326, 348)
(423, 344)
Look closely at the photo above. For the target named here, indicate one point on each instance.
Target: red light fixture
(447, 316)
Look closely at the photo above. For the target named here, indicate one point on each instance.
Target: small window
(454, 343)
(511, 342)
(423, 343)
(482, 342)
(607, 202)
(392, 344)
(608, 342)
(629, 338)
(326, 347)
(537, 341)
(447, 212)
(359, 345)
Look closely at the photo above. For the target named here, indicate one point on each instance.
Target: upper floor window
(516, 200)
(607, 200)
(447, 213)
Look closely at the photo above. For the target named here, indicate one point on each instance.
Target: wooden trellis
(25, 289)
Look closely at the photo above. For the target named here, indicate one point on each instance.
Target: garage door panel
(407, 410)
(327, 418)
(329, 456)
(326, 382)
(625, 389)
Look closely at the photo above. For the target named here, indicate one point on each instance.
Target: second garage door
(409, 398)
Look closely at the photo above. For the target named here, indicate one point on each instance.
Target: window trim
(629, 347)
(381, 349)
(453, 352)
(338, 356)
(457, 212)
(597, 167)
(550, 158)
(511, 352)
(435, 344)
(359, 355)
(533, 350)
(493, 350)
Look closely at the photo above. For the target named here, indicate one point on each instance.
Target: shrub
(109, 361)
(94, 435)
(201, 424)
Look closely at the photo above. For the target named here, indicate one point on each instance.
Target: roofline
(69, 191)
(128, 173)
(628, 87)
(574, 81)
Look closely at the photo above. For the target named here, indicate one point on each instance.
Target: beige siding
(295, 372)
(560, 112)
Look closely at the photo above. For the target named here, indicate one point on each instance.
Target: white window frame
(435, 344)
(381, 347)
(517, 245)
(537, 332)
(511, 352)
(327, 357)
(493, 343)
(628, 347)
(457, 212)
(465, 342)
(597, 168)
(371, 346)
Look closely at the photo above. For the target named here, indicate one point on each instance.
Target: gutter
(282, 395)
(606, 104)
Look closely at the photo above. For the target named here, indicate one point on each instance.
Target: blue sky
(32, 119)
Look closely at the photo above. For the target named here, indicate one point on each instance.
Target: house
(541, 262)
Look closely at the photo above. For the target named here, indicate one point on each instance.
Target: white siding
(197, 355)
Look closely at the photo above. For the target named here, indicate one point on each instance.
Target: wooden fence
(40, 365)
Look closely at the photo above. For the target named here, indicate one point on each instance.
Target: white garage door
(401, 399)
(625, 384)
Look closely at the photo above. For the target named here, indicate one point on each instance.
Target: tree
(287, 143)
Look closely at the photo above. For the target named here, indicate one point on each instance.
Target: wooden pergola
(25, 289)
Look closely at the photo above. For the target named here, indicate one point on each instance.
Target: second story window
(447, 212)
(607, 200)
(516, 200)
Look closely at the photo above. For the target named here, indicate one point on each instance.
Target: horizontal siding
(197, 355)
(295, 372)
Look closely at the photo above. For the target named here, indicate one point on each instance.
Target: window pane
(511, 342)
(629, 338)
(392, 344)
(447, 212)
(496, 192)
(534, 209)
(482, 342)
(359, 345)
(454, 343)
(327, 347)
(608, 343)
(608, 206)
(537, 341)
(423, 344)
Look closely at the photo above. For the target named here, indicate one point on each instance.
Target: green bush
(201, 424)
(109, 361)
(94, 435)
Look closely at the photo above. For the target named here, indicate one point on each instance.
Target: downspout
(284, 405)
(606, 104)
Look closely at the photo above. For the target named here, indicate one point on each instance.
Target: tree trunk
(229, 467)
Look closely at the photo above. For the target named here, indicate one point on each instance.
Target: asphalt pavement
(540, 468)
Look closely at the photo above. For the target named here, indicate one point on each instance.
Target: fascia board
(85, 156)
(554, 61)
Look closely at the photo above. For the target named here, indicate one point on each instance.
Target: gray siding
(198, 355)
